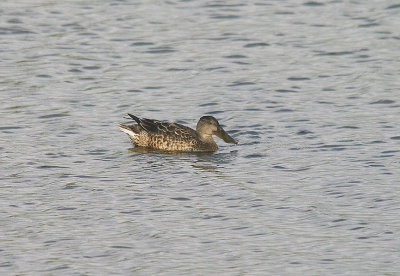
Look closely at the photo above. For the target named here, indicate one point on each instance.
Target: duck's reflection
(205, 161)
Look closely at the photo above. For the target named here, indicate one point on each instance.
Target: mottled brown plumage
(176, 137)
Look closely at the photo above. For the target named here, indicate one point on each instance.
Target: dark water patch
(136, 44)
(368, 25)
(331, 146)
(283, 13)
(279, 167)
(251, 143)
(75, 71)
(74, 25)
(215, 112)
(214, 68)
(386, 155)
(298, 78)
(10, 127)
(257, 44)
(363, 56)
(395, 137)
(255, 155)
(121, 247)
(241, 83)
(339, 53)
(14, 30)
(255, 125)
(320, 25)
(161, 50)
(377, 142)
(50, 242)
(70, 186)
(395, 6)
(162, 210)
(14, 21)
(84, 175)
(304, 132)
(133, 212)
(51, 167)
(357, 228)
(253, 109)
(229, 34)
(348, 127)
(87, 78)
(224, 16)
(43, 76)
(383, 102)
(208, 104)
(282, 208)
(313, 4)
(337, 194)
(241, 63)
(223, 5)
(61, 267)
(97, 152)
(240, 228)
(177, 70)
(97, 256)
(217, 38)
(135, 90)
(235, 56)
(346, 141)
(66, 208)
(374, 165)
(284, 110)
(390, 151)
(250, 132)
(91, 67)
(338, 220)
(213, 217)
(87, 34)
(153, 87)
(285, 91)
(181, 198)
(56, 115)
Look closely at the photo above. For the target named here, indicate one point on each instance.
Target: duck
(165, 136)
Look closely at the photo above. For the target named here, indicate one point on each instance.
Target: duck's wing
(148, 125)
(165, 128)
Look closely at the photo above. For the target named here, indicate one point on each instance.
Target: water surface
(309, 89)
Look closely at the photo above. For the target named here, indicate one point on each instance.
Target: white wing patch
(127, 131)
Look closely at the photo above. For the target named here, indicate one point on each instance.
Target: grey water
(310, 89)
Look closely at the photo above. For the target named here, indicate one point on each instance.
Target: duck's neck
(209, 142)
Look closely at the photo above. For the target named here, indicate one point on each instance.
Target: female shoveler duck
(176, 137)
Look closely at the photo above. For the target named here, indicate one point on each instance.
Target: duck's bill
(221, 133)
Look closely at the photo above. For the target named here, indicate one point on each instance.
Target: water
(309, 89)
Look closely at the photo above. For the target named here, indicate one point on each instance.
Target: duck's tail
(137, 119)
(128, 130)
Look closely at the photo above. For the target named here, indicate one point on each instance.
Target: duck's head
(208, 126)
